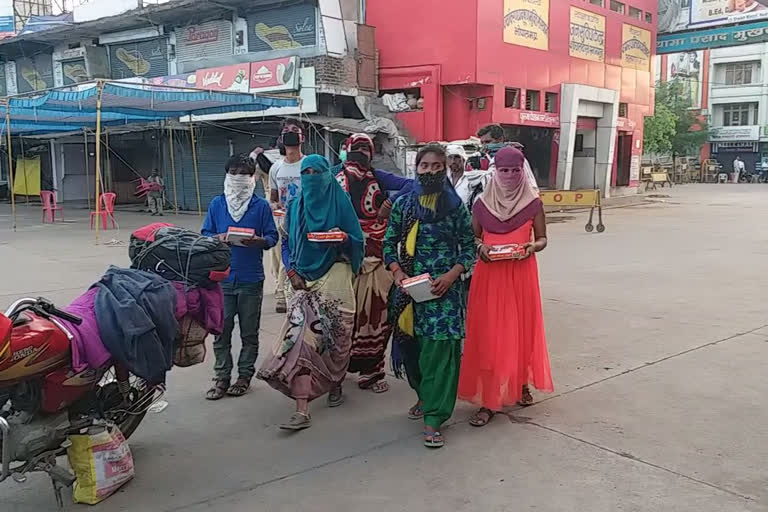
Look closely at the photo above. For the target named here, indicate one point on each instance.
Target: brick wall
(333, 72)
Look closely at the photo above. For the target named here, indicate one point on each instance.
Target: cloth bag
(102, 463)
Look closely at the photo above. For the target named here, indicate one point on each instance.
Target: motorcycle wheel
(126, 414)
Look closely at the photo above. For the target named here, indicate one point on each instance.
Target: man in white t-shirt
(738, 168)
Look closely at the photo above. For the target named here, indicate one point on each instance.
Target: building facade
(570, 79)
(320, 52)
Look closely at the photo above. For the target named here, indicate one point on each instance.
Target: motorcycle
(43, 400)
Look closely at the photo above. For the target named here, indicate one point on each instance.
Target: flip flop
(416, 412)
(478, 421)
(433, 439)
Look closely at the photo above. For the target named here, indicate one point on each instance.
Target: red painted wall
(464, 40)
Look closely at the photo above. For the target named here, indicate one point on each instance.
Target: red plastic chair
(107, 211)
(50, 207)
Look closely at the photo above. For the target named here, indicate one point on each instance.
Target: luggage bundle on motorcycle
(179, 254)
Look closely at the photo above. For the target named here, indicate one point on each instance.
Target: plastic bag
(102, 463)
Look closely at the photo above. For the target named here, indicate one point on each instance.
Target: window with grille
(740, 73)
(550, 102)
(532, 100)
(596, 2)
(740, 114)
(623, 108)
(617, 7)
(512, 98)
(635, 13)
(648, 17)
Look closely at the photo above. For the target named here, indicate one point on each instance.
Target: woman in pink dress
(506, 349)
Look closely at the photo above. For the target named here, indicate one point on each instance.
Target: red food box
(506, 252)
(236, 236)
(419, 288)
(278, 213)
(327, 237)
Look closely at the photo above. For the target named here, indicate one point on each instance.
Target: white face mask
(238, 190)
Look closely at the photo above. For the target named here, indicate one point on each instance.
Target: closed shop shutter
(34, 74)
(286, 28)
(74, 71)
(147, 59)
(3, 83)
(211, 39)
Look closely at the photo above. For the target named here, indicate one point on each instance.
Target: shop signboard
(679, 15)
(286, 28)
(526, 23)
(228, 78)
(635, 48)
(7, 19)
(147, 59)
(735, 133)
(713, 38)
(274, 75)
(34, 74)
(206, 40)
(587, 39)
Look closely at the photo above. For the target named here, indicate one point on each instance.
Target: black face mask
(291, 139)
(433, 183)
(359, 158)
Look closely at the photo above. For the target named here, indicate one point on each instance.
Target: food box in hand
(506, 252)
(419, 288)
(236, 236)
(278, 213)
(327, 236)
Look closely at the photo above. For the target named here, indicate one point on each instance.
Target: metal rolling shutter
(147, 59)
(211, 39)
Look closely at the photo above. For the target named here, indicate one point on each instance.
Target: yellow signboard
(587, 35)
(526, 23)
(636, 48)
(586, 198)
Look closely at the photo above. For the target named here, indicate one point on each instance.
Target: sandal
(298, 421)
(433, 439)
(380, 387)
(416, 412)
(335, 397)
(219, 389)
(240, 387)
(482, 417)
(527, 399)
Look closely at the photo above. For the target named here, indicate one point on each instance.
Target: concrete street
(658, 336)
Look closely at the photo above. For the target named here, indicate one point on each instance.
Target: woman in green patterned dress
(430, 231)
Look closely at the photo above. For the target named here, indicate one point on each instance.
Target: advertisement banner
(635, 48)
(713, 38)
(286, 28)
(587, 35)
(34, 74)
(679, 15)
(147, 59)
(274, 75)
(228, 78)
(210, 39)
(526, 23)
(685, 67)
(7, 19)
(734, 133)
(74, 71)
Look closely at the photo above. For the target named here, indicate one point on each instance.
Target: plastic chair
(108, 211)
(50, 207)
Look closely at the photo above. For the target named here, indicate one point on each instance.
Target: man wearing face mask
(244, 289)
(493, 139)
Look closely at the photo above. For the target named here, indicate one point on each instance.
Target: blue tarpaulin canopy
(123, 104)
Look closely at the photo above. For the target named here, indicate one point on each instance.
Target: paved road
(658, 338)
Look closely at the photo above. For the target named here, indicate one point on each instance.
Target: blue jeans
(241, 300)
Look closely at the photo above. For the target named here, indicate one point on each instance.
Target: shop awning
(123, 104)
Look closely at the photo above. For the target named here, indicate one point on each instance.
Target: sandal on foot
(298, 421)
(380, 387)
(416, 412)
(219, 389)
(335, 397)
(433, 439)
(240, 387)
(482, 417)
(527, 399)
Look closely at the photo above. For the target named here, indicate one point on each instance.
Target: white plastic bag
(102, 463)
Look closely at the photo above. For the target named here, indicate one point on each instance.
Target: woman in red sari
(506, 348)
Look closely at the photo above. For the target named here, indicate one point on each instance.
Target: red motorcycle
(43, 401)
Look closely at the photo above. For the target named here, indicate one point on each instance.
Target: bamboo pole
(87, 169)
(98, 158)
(108, 181)
(197, 173)
(173, 172)
(10, 162)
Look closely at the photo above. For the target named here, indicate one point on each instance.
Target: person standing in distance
(738, 168)
(285, 186)
(156, 188)
(493, 139)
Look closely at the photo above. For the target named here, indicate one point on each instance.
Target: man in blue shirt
(244, 289)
